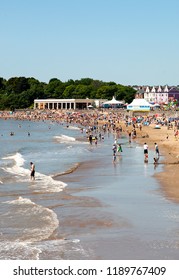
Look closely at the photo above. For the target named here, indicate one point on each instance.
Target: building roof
(113, 101)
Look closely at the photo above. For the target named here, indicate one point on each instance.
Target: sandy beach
(165, 138)
(106, 208)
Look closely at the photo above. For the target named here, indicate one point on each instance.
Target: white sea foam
(32, 226)
(20, 201)
(33, 222)
(171, 215)
(63, 249)
(55, 249)
(73, 127)
(17, 157)
(64, 138)
(18, 250)
(42, 181)
(17, 168)
(47, 184)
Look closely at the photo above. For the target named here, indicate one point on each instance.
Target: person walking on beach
(119, 148)
(114, 148)
(145, 152)
(32, 171)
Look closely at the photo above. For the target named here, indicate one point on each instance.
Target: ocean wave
(64, 138)
(47, 184)
(28, 221)
(58, 249)
(20, 201)
(42, 181)
(16, 168)
(73, 127)
(17, 157)
(18, 251)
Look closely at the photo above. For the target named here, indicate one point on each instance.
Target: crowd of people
(95, 123)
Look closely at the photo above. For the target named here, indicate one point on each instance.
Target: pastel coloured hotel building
(158, 94)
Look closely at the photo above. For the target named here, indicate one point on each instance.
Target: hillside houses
(158, 94)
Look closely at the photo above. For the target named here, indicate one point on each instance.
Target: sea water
(107, 210)
(25, 221)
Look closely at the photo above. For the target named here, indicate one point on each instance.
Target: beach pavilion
(62, 104)
(113, 102)
(139, 105)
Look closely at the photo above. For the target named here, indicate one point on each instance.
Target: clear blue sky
(126, 41)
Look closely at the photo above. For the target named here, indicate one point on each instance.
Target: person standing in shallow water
(156, 154)
(32, 171)
(156, 150)
(145, 152)
(91, 139)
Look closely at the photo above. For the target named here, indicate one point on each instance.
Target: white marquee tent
(139, 104)
(113, 102)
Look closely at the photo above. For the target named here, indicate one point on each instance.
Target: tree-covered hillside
(20, 92)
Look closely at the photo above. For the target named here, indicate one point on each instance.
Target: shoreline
(116, 210)
(110, 207)
(164, 137)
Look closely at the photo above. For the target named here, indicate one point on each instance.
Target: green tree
(106, 92)
(82, 91)
(69, 91)
(51, 88)
(84, 81)
(17, 85)
(2, 83)
(36, 89)
(20, 92)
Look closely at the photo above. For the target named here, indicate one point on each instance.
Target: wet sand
(76, 172)
(105, 215)
(169, 149)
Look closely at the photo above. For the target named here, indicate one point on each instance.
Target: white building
(154, 94)
(65, 104)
